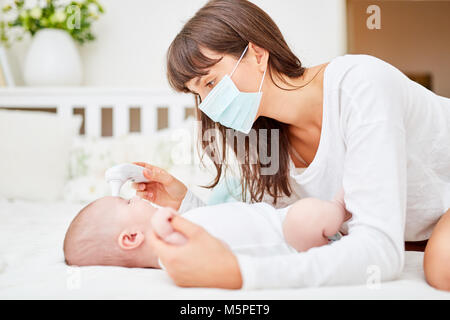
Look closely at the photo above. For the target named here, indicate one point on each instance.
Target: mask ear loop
(262, 81)
(235, 67)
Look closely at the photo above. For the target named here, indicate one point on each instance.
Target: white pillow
(34, 154)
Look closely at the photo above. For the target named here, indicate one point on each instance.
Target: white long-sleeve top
(386, 140)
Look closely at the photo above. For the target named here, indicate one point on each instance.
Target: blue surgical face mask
(229, 106)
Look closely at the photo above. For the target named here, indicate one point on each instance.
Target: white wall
(133, 36)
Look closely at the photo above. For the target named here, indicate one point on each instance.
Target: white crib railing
(92, 100)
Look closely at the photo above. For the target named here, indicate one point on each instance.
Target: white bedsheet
(32, 266)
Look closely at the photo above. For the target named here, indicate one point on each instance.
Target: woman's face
(247, 77)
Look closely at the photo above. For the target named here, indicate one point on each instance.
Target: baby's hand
(162, 227)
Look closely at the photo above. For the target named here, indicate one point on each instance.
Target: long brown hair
(226, 27)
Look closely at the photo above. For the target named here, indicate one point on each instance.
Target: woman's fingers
(160, 247)
(179, 224)
(143, 164)
(204, 261)
(162, 185)
(158, 175)
(155, 174)
(138, 186)
(147, 192)
(148, 195)
(157, 243)
(186, 227)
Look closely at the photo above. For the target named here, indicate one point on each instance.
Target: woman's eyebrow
(196, 83)
(198, 80)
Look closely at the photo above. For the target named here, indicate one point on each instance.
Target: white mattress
(32, 266)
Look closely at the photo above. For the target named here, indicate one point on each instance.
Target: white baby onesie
(251, 229)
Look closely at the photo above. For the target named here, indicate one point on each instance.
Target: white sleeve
(189, 202)
(374, 181)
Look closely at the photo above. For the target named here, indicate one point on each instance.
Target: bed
(32, 228)
(33, 267)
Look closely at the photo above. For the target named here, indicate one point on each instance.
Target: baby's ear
(129, 240)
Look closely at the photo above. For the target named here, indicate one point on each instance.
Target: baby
(114, 231)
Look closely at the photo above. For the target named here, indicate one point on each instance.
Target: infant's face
(112, 231)
(134, 211)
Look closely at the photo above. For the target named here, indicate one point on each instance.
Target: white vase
(53, 60)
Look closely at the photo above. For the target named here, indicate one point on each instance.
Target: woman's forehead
(225, 60)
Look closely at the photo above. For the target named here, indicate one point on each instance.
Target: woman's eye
(211, 83)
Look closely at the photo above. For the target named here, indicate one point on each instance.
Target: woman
(355, 122)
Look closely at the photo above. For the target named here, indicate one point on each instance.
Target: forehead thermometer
(117, 176)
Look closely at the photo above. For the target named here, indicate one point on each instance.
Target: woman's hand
(163, 189)
(204, 261)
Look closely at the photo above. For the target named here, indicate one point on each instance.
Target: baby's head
(111, 231)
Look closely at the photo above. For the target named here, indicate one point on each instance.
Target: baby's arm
(309, 222)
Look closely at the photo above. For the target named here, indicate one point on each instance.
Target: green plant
(18, 17)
